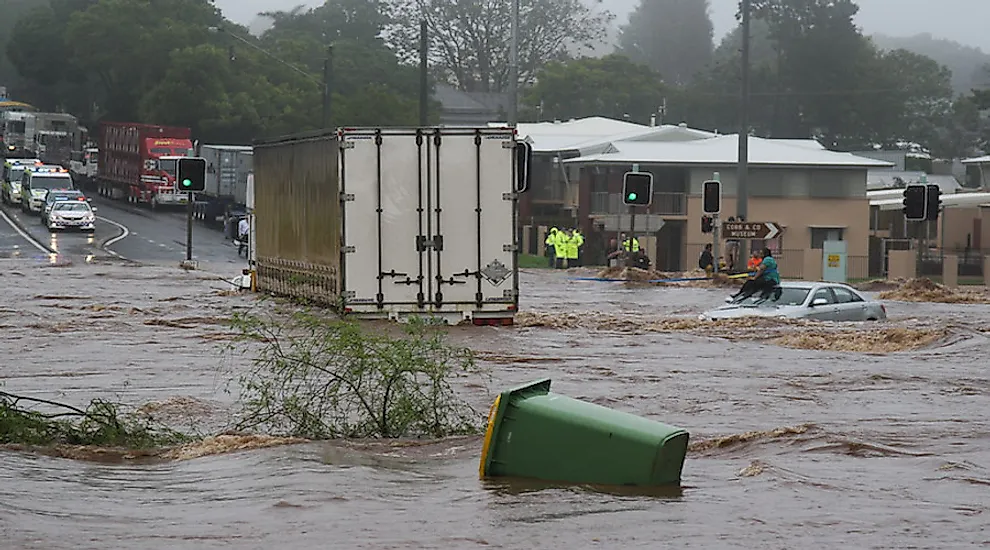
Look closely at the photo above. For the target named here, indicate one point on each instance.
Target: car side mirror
(819, 302)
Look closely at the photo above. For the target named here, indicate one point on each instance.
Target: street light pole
(327, 87)
(742, 173)
(514, 67)
(424, 74)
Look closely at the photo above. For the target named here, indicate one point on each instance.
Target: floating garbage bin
(533, 433)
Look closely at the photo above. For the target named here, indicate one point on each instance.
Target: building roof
(593, 135)
(897, 179)
(977, 160)
(723, 150)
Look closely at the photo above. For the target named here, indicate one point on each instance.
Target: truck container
(52, 137)
(137, 162)
(13, 126)
(391, 223)
(225, 196)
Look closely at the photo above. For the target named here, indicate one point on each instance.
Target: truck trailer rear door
(428, 220)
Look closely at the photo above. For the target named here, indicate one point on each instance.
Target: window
(824, 293)
(844, 296)
(780, 297)
(821, 234)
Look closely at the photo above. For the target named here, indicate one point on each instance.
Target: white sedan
(71, 214)
(800, 300)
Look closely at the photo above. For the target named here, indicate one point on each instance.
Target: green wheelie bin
(533, 433)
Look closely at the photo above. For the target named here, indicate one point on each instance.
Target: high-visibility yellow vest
(633, 248)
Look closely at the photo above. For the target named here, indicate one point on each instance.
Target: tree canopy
(178, 62)
(470, 39)
(673, 37)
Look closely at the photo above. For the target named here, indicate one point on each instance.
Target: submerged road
(122, 230)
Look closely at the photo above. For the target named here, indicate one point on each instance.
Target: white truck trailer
(225, 196)
(392, 223)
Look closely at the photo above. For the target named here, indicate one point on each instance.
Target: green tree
(612, 86)
(470, 40)
(673, 37)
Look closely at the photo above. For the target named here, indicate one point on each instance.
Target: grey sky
(960, 20)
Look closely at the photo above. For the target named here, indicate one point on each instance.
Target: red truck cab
(138, 162)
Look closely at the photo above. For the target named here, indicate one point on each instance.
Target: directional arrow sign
(750, 230)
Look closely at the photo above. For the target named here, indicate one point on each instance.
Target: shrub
(321, 378)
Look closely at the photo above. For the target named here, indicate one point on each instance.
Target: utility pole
(327, 87)
(424, 82)
(742, 173)
(514, 67)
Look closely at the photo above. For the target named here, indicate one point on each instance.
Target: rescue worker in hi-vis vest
(560, 248)
(631, 245)
(572, 247)
(579, 242)
(550, 243)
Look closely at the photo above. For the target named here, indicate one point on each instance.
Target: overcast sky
(964, 21)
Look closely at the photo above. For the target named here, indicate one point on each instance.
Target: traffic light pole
(189, 225)
(715, 238)
(632, 232)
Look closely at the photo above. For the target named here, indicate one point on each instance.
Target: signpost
(750, 230)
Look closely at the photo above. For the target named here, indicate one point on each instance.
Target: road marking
(37, 244)
(123, 235)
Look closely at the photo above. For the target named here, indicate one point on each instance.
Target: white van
(37, 181)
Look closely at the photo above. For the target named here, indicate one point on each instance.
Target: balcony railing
(664, 204)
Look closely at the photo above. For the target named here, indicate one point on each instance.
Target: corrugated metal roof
(723, 150)
(593, 135)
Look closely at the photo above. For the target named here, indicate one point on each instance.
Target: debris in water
(736, 439)
(754, 469)
(886, 340)
(227, 443)
(926, 290)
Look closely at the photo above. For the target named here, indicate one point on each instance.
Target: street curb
(25, 232)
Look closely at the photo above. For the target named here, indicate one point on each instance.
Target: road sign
(750, 230)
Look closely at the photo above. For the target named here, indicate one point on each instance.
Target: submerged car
(71, 214)
(799, 300)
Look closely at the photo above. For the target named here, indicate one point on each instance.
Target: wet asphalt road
(123, 230)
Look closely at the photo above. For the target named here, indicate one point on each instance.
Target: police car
(37, 181)
(10, 180)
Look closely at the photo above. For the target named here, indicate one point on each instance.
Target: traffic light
(707, 224)
(933, 202)
(191, 175)
(524, 161)
(914, 202)
(637, 188)
(711, 197)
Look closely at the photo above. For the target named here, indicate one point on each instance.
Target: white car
(800, 300)
(71, 215)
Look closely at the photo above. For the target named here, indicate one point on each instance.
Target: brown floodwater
(791, 447)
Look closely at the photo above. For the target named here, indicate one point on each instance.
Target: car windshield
(780, 297)
(72, 207)
(48, 182)
(15, 174)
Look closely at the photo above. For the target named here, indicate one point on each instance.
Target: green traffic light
(187, 182)
(632, 196)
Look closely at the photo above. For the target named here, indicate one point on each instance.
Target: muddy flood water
(876, 437)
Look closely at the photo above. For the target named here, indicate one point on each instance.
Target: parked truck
(84, 166)
(13, 127)
(138, 162)
(225, 196)
(52, 137)
(391, 223)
